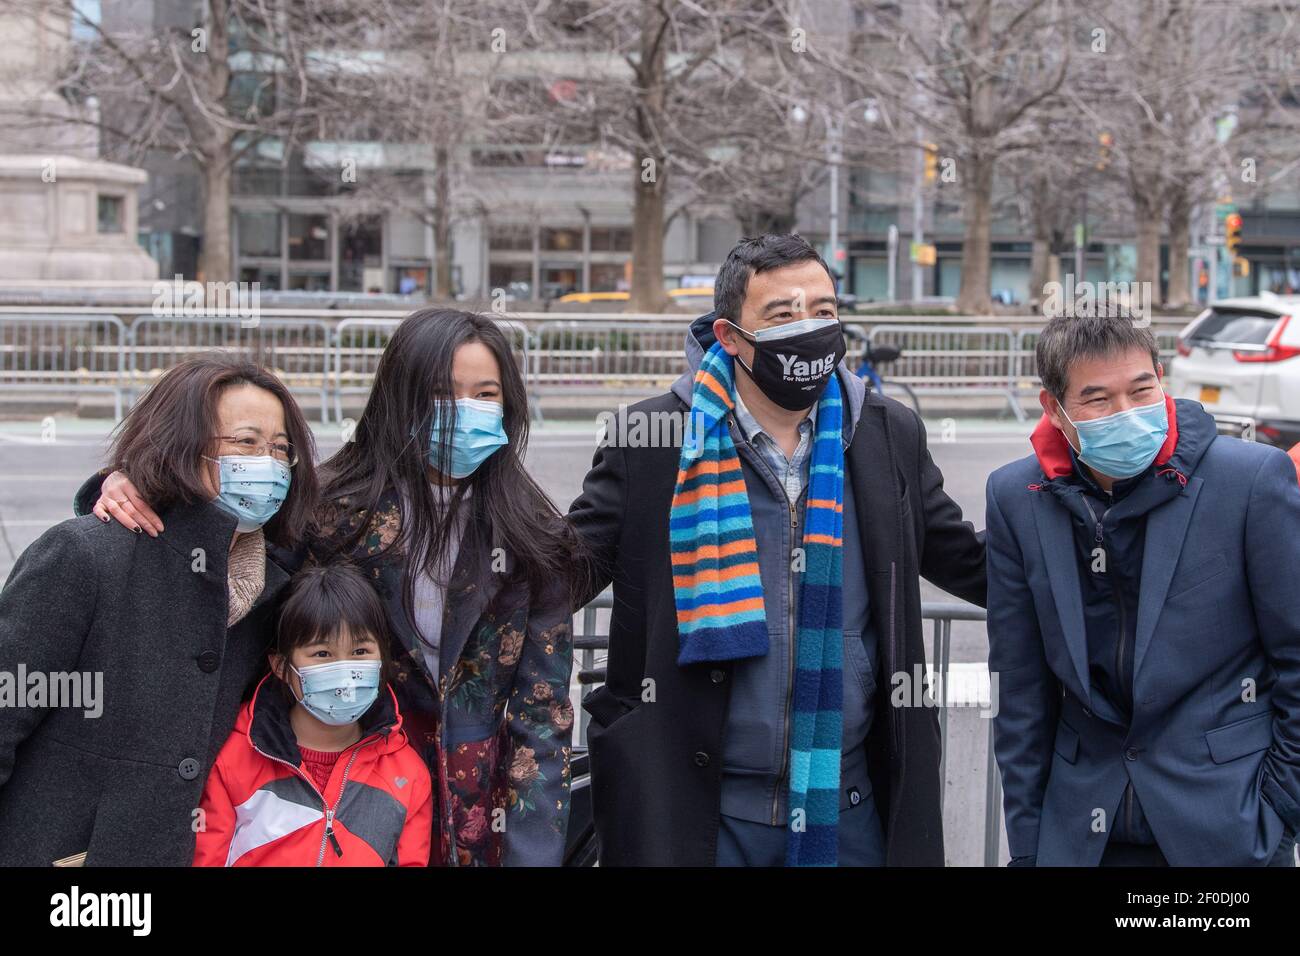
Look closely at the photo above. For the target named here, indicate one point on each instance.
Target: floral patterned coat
(496, 729)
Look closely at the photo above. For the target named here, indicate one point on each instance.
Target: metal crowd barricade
(633, 358)
(359, 344)
(297, 350)
(947, 360)
(590, 674)
(943, 614)
(585, 645)
(64, 352)
(1026, 359)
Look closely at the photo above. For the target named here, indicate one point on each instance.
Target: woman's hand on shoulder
(120, 501)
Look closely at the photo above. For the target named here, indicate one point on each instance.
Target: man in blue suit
(1144, 622)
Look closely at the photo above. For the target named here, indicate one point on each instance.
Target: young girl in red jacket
(318, 771)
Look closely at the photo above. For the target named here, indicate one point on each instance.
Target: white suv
(1240, 358)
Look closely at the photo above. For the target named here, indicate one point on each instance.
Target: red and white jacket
(260, 806)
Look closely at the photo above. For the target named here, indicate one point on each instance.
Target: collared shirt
(754, 774)
(791, 472)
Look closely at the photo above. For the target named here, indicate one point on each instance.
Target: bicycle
(881, 355)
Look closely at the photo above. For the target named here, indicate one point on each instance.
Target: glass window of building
(406, 237)
(715, 237)
(309, 281)
(516, 278)
(412, 280)
(361, 245)
(256, 180)
(611, 239)
(111, 213)
(267, 279)
(509, 237)
(259, 234)
(562, 240)
(608, 277)
(308, 236)
(560, 279)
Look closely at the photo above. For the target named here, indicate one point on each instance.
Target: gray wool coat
(149, 616)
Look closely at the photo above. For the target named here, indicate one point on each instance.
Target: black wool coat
(656, 767)
(149, 615)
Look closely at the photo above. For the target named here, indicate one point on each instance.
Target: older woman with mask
(161, 634)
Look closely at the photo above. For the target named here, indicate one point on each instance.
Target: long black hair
(390, 451)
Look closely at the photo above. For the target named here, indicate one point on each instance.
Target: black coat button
(717, 675)
(188, 769)
(701, 759)
(1131, 753)
(209, 661)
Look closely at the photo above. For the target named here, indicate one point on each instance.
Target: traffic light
(1232, 226)
(1241, 267)
(931, 162)
(1106, 140)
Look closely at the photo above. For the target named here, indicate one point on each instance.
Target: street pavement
(43, 463)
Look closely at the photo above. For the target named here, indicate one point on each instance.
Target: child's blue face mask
(339, 692)
(478, 433)
(1124, 444)
(253, 487)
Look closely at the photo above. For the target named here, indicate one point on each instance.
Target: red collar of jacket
(1053, 450)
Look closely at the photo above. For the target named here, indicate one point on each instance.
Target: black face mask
(793, 370)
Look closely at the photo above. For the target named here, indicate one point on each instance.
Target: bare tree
(970, 76)
(1047, 183)
(178, 88)
(1184, 96)
(650, 79)
(417, 76)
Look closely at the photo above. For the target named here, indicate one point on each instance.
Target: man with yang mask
(766, 588)
(1143, 623)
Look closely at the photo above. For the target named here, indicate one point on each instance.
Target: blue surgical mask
(477, 434)
(253, 487)
(1124, 444)
(339, 692)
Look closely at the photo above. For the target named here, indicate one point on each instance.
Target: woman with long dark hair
(432, 496)
(155, 637)
(479, 573)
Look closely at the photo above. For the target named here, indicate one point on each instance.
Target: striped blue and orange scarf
(719, 594)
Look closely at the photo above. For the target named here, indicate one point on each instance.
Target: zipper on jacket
(789, 696)
(1121, 612)
(329, 835)
(329, 811)
(1096, 522)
